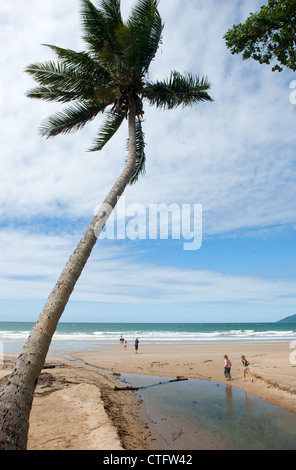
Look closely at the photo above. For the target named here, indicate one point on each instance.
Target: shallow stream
(197, 414)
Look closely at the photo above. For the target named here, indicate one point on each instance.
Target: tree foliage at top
(267, 35)
(111, 75)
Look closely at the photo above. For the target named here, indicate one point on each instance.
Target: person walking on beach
(136, 345)
(121, 339)
(125, 344)
(246, 368)
(227, 368)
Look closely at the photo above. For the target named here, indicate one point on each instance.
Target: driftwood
(118, 389)
(128, 387)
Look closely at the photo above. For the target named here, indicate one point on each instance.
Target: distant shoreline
(87, 334)
(290, 319)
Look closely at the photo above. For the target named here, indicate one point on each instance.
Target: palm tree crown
(112, 75)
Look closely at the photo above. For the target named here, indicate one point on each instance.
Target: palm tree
(109, 78)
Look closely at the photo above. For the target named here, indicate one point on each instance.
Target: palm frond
(108, 93)
(97, 24)
(111, 126)
(114, 63)
(147, 28)
(140, 153)
(129, 58)
(112, 13)
(71, 119)
(58, 76)
(179, 90)
(81, 63)
(52, 94)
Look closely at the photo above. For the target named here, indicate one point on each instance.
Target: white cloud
(31, 265)
(232, 155)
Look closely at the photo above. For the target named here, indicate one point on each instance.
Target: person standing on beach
(136, 345)
(246, 368)
(125, 344)
(227, 368)
(121, 339)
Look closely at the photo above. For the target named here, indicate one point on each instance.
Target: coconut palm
(109, 78)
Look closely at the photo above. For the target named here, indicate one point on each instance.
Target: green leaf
(147, 28)
(179, 90)
(71, 119)
(268, 35)
(111, 126)
(81, 63)
(112, 13)
(51, 94)
(59, 76)
(140, 153)
(99, 24)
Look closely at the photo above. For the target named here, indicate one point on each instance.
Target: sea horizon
(160, 332)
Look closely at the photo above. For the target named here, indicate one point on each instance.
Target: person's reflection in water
(229, 401)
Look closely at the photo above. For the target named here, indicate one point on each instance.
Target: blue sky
(235, 157)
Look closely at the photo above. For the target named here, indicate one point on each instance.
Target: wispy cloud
(31, 264)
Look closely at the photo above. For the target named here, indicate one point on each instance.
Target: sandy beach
(77, 408)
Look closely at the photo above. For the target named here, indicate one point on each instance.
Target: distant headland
(291, 318)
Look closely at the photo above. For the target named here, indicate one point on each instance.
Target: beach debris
(129, 387)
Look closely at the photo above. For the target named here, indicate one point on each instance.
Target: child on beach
(246, 368)
(227, 368)
(125, 344)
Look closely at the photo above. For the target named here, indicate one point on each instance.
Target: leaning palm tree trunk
(17, 396)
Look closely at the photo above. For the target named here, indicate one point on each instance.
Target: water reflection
(228, 399)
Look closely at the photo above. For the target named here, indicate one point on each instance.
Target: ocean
(104, 333)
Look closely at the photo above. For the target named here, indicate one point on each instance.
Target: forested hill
(290, 319)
